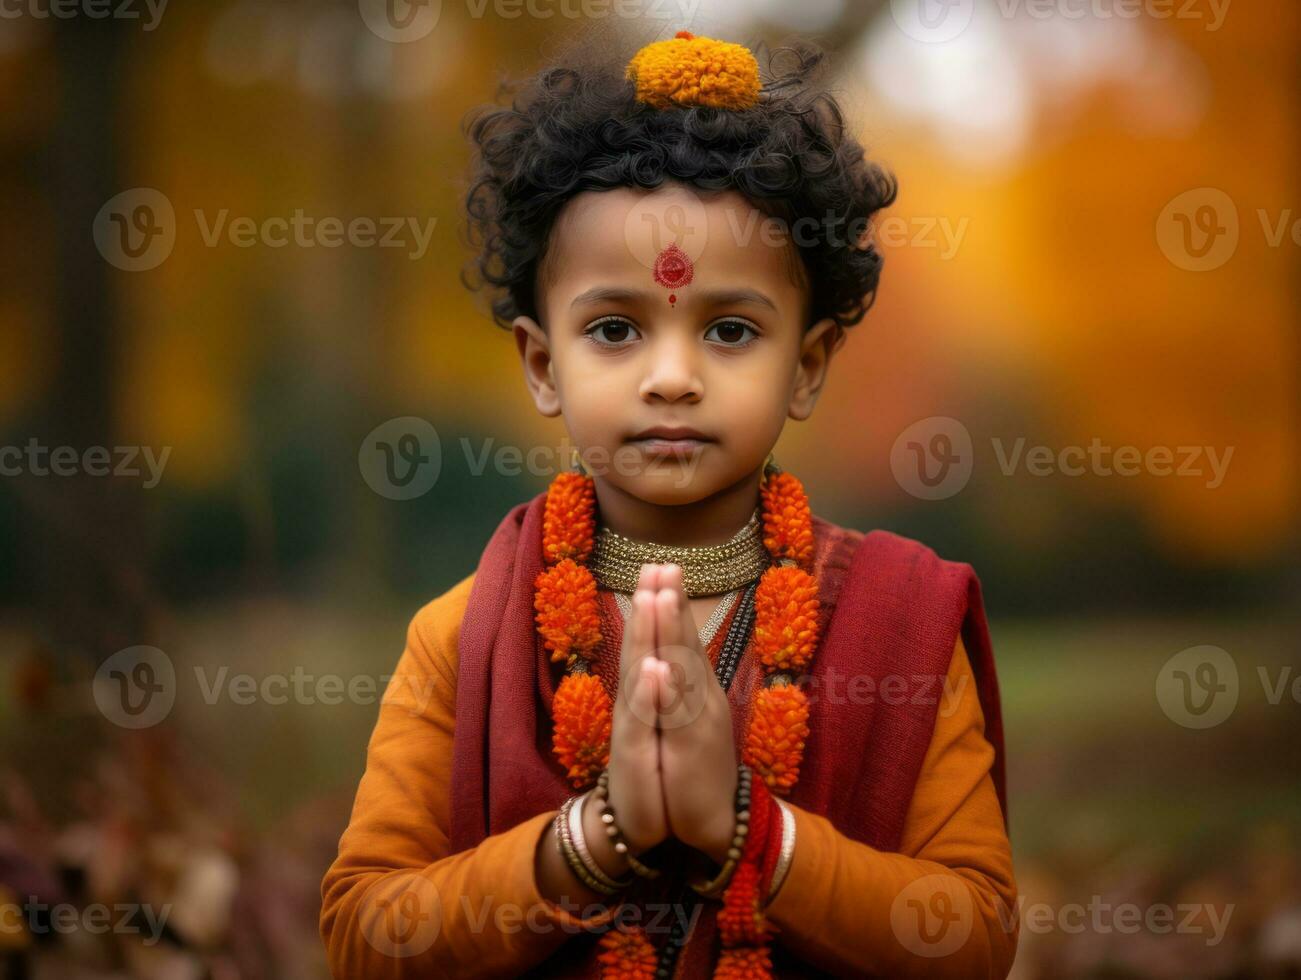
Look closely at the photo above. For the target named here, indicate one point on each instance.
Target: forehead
(616, 235)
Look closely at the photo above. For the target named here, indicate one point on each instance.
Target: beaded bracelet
(718, 884)
(579, 837)
(573, 846)
(602, 793)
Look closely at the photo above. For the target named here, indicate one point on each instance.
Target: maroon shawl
(890, 608)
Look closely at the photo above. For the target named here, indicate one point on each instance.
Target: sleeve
(395, 902)
(943, 906)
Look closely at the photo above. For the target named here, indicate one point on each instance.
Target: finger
(688, 633)
(648, 576)
(663, 680)
(643, 698)
(683, 688)
(671, 577)
(668, 611)
(659, 670)
(639, 640)
(668, 627)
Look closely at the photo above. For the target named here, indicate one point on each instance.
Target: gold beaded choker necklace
(616, 561)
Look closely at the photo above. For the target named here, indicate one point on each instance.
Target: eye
(617, 330)
(732, 332)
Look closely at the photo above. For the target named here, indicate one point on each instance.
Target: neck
(709, 521)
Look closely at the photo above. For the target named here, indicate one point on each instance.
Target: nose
(673, 372)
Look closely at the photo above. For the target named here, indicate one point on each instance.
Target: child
(568, 776)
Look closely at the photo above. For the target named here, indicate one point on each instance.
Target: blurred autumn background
(1096, 243)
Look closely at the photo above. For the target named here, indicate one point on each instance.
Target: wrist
(618, 841)
(598, 841)
(571, 846)
(729, 860)
(718, 839)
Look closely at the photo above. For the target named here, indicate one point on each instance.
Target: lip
(672, 448)
(671, 434)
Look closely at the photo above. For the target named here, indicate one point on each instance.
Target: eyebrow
(720, 297)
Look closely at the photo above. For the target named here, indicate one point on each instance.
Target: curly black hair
(576, 126)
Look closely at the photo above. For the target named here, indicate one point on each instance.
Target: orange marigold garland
(567, 613)
(784, 640)
(786, 619)
(787, 522)
(774, 741)
(568, 524)
(741, 922)
(569, 621)
(582, 711)
(785, 635)
(627, 953)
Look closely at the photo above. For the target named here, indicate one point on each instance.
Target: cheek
(756, 392)
(589, 385)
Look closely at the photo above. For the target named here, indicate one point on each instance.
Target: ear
(535, 355)
(820, 342)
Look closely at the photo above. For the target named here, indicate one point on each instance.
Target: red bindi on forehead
(673, 270)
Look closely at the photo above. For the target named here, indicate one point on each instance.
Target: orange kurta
(844, 906)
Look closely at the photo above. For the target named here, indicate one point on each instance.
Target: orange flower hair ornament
(784, 640)
(695, 71)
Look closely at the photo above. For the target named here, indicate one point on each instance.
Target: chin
(672, 487)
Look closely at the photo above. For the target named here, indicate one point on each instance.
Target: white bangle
(787, 851)
(580, 845)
